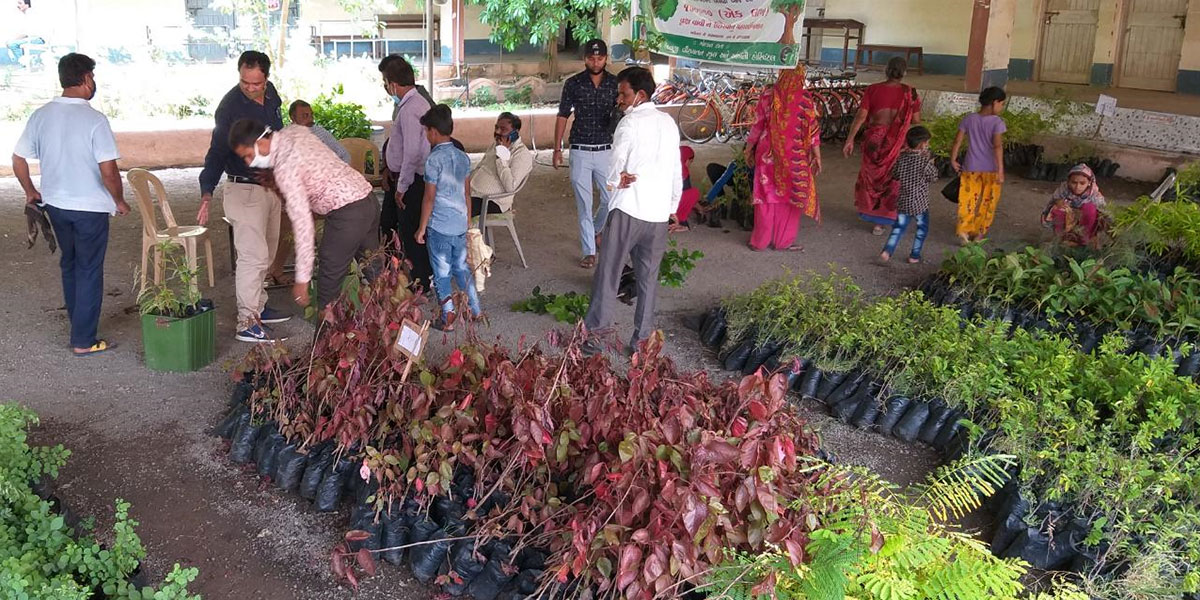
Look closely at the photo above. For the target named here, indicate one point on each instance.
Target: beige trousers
(254, 213)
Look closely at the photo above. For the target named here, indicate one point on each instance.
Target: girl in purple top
(982, 172)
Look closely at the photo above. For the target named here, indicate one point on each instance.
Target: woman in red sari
(784, 147)
(887, 111)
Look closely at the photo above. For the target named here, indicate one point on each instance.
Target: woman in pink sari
(888, 109)
(784, 146)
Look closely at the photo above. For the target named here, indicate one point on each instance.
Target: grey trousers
(350, 232)
(645, 243)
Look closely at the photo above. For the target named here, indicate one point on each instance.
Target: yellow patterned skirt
(978, 195)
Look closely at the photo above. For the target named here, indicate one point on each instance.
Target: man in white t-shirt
(646, 179)
(80, 188)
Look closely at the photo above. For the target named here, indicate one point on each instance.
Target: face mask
(93, 94)
(261, 161)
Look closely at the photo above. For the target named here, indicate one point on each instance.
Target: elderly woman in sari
(887, 110)
(784, 146)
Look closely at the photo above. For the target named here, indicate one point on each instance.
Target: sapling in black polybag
(939, 413)
(893, 409)
(846, 388)
(228, 426)
(527, 580)
(910, 424)
(1040, 550)
(267, 460)
(244, 439)
(318, 462)
(329, 493)
(759, 356)
(425, 558)
(866, 414)
(496, 575)
(364, 520)
(830, 382)
(396, 534)
(810, 382)
(736, 359)
(449, 514)
(289, 466)
(465, 564)
(949, 430)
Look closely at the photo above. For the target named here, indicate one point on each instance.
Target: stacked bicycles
(723, 105)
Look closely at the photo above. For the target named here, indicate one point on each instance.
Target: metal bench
(907, 51)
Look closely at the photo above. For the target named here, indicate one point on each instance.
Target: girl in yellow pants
(978, 195)
(982, 171)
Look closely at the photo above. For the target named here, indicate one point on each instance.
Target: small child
(1074, 210)
(445, 215)
(914, 169)
(691, 195)
(982, 172)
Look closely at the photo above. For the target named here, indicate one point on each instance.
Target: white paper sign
(409, 340)
(1106, 106)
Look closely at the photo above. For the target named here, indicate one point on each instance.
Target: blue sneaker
(270, 315)
(257, 333)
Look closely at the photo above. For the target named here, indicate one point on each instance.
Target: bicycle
(722, 107)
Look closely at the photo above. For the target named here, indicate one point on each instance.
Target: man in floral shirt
(312, 179)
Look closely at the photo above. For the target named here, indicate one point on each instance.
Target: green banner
(752, 33)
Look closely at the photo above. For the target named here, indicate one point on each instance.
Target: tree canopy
(537, 22)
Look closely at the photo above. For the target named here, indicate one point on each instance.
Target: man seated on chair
(301, 113)
(504, 167)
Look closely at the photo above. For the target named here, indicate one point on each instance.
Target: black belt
(591, 148)
(240, 179)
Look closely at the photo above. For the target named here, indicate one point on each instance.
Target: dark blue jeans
(448, 257)
(82, 240)
(900, 226)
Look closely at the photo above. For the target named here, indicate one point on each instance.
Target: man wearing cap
(592, 96)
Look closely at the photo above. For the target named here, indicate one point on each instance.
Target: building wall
(942, 29)
(117, 29)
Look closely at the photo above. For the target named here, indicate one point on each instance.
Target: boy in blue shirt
(445, 213)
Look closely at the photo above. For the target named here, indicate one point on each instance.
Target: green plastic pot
(179, 345)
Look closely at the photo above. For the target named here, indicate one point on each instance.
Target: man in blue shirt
(592, 96)
(252, 209)
(81, 188)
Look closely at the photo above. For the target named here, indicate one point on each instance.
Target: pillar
(990, 48)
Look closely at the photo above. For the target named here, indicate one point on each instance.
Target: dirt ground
(144, 436)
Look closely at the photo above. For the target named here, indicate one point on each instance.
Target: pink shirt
(312, 179)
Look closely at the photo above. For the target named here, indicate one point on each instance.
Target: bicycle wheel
(744, 118)
(698, 119)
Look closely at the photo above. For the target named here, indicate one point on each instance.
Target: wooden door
(1153, 40)
(1068, 40)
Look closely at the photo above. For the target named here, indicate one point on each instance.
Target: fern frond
(887, 586)
(836, 558)
(958, 488)
(974, 577)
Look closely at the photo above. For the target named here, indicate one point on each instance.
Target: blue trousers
(448, 257)
(590, 169)
(900, 226)
(82, 241)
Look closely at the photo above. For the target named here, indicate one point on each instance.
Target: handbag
(951, 189)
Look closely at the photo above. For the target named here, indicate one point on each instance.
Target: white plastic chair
(505, 219)
(188, 236)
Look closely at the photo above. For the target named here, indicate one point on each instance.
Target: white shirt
(646, 144)
(71, 139)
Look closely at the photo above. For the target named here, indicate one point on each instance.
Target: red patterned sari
(784, 133)
(875, 192)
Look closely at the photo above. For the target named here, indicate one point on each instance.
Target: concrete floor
(143, 436)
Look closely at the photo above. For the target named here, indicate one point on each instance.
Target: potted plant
(179, 328)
